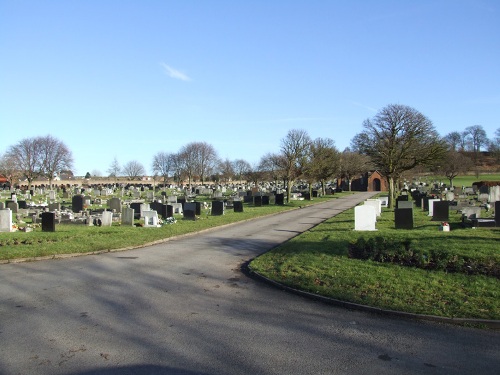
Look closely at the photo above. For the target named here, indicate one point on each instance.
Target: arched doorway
(376, 184)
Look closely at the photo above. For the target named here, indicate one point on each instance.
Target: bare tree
(478, 139)
(295, 148)
(133, 169)
(352, 164)
(454, 141)
(163, 165)
(188, 161)
(55, 156)
(26, 156)
(241, 167)
(226, 170)
(398, 139)
(114, 169)
(455, 163)
(465, 141)
(494, 145)
(273, 166)
(9, 169)
(207, 160)
(324, 161)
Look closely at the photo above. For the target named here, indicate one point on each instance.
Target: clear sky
(130, 78)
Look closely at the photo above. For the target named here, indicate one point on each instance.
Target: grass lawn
(72, 238)
(318, 262)
(465, 180)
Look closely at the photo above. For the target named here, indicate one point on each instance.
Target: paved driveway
(184, 307)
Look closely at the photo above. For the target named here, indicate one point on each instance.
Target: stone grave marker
(48, 222)
(431, 206)
(22, 205)
(384, 201)
(137, 209)
(377, 204)
(403, 218)
(144, 207)
(217, 208)
(2, 205)
(365, 218)
(5, 220)
(441, 211)
(265, 200)
(150, 219)
(54, 206)
(127, 216)
(177, 208)
(257, 200)
(169, 210)
(190, 211)
(107, 218)
(115, 204)
(172, 199)
(13, 206)
(238, 206)
(494, 195)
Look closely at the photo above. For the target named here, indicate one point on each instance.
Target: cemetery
(435, 253)
(37, 222)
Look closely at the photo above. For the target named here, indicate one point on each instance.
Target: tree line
(397, 141)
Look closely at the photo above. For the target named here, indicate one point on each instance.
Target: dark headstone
(217, 208)
(248, 199)
(189, 214)
(156, 206)
(280, 199)
(238, 206)
(403, 218)
(265, 200)
(137, 209)
(402, 198)
(22, 204)
(170, 210)
(441, 211)
(425, 203)
(181, 200)
(257, 200)
(77, 203)
(307, 196)
(197, 210)
(497, 213)
(48, 222)
(315, 194)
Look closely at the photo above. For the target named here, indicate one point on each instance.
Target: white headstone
(107, 218)
(144, 207)
(52, 195)
(494, 194)
(365, 217)
(376, 203)
(127, 216)
(150, 218)
(384, 201)
(177, 208)
(5, 220)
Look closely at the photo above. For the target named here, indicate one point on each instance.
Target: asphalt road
(185, 307)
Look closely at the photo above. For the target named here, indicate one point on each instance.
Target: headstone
(197, 210)
(22, 205)
(52, 195)
(257, 200)
(403, 218)
(376, 204)
(5, 220)
(483, 189)
(450, 196)
(77, 203)
(115, 204)
(127, 216)
(497, 213)
(441, 211)
(172, 199)
(48, 222)
(431, 206)
(177, 208)
(265, 200)
(150, 219)
(238, 206)
(402, 198)
(107, 218)
(144, 207)
(170, 210)
(137, 209)
(471, 213)
(217, 208)
(13, 206)
(54, 206)
(307, 196)
(2, 205)
(384, 201)
(190, 211)
(365, 218)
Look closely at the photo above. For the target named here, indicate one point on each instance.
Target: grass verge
(318, 262)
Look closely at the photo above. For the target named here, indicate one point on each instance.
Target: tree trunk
(392, 192)
(288, 189)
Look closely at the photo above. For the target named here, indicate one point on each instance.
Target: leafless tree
(272, 166)
(494, 145)
(207, 160)
(114, 169)
(324, 161)
(241, 167)
(226, 170)
(455, 163)
(398, 139)
(26, 155)
(478, 139)
(163, 165)
(55, 156)
(188, 161)
(295, 149)
(133, 169)
(9, 169)
(454, 141)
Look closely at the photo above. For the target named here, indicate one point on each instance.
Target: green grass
(464, 180)
(317, 261)
(73, 238)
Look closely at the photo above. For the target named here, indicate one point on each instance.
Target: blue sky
(127, 79)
